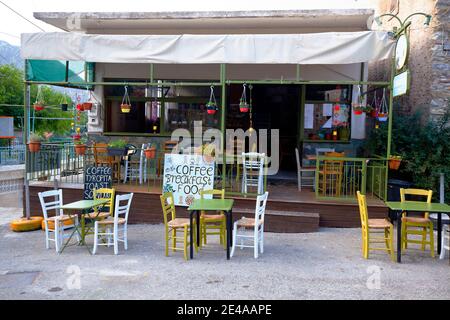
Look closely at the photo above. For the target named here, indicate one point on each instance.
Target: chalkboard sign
(96, 178)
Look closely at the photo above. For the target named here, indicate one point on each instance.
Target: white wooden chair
(253, 171)
(136, 169)
(256, 223)
(58, 224)
(102, 228)
(300, 173)
(445, 240)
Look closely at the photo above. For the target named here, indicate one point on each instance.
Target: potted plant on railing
(34, 142)
(150, 151)
(117, 148)
(80, 146)
(394, 162)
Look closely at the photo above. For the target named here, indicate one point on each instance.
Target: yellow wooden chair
(171, 226)
(372, 228)
(108, 209)
(213, 224)
(413, 225)
(330, 176)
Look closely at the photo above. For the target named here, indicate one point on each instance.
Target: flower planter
(358, 112)
(394, 164)
(150, 153)
(77, 137)
(87, 106)
(38, 107)
(125, 108)
(64, 106)
(244, 107)
(80, 107)
(80, 149)
(117, 152)
(382, 117)
(34, 146)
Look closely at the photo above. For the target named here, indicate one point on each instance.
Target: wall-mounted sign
(401, 51)
(401, 84)
(96, 178)
(6, 127)
(187, 175)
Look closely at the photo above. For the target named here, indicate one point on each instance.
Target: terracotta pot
(87, 106)
(394, 164)
(150, 153)
(125, 108)
(34, 146)
(80, 149)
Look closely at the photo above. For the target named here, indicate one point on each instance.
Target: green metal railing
(60, 162)
(339, 178)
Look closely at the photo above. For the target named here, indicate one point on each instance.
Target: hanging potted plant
(39, 104)
(243, 105)
(394, 162)
(125, 106)
(117, 148)
(384, 110)
(211, 106)
(80, 107)
(150, 151)
(64, 104)
(87, 106)
(77, 135)
(80, 147)
(34, 142)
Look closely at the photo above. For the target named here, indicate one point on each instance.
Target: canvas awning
(312, 48)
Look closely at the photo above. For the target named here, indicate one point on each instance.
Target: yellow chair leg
(366, 245)
(167, 243)
(432, 240)
(391, 242)
(424, 238)
(404, 236)
(185, 243)
(174, 240)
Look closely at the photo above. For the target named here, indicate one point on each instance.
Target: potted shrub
(117, 148)
(150, 151)
(394, 162)
(34, 142)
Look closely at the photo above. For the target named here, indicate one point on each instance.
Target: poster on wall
(340, 115)
(186, 175)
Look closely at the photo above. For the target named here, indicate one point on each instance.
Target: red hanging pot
(38, 106)
(87, 106)
(80, 107)
(358, 112)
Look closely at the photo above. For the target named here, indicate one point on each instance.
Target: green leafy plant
(35, 137)
(118, 144)
(423, 147)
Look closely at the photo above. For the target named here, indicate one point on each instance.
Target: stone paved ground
(322, 265)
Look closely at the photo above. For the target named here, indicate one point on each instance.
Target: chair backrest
(320, 151)
(253, 160)
(333, 166)
(108, 194)
(122, 206)
(219, 193)
(261, 202)
(417, 193)
(168, 206)
(253, 169)
(362, 203)
(54, 203)
(101, 152)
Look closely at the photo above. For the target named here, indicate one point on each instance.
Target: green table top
(212, 204)
(84, 204)
(418, 206)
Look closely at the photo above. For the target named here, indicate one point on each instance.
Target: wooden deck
(289, 210)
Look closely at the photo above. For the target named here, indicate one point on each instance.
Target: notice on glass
(327, 110)
(309, 116)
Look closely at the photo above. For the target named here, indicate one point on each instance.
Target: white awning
(312, 48)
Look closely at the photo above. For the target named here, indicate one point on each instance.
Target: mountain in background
(10, 54)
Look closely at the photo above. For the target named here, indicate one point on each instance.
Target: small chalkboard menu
(96, 178)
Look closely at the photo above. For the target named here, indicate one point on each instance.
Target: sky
(11, 25)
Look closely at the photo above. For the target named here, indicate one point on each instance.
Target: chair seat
(61, 218)
(247, 222)
(417, 220)
(308, 168)
(111, 221)
(207, 217)
(178, 222)
(100, 215)
(379, 223)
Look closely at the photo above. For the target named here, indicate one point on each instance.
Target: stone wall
(428, 62)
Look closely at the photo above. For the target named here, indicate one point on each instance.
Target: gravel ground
(322, 265)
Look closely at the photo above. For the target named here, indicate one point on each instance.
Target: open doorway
(274, 107)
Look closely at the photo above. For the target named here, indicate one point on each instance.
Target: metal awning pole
(26, 132)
